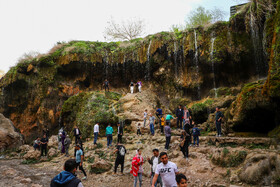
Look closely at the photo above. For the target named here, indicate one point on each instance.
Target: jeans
(95, 137)
(158, 179)
(218, 127)
(109, 139)
(168, 138)
(196, 139)
(179, 122)
(152, 129)
(140, 180)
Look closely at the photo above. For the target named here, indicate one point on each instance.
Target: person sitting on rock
(37, 144)
(181, 180)
(67, 177)
(44, 145)
(121, 151)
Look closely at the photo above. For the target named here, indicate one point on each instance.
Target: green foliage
(91, 159)
(30, 161)
(225, 151)
(229, 159)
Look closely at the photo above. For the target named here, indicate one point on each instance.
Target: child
(37, 144)
(138, 129)
(181, 180)
(196, 134)
(145, 116)
(162, 122)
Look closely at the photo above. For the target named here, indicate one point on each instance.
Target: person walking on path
(109, 132)
(77, 134)
(67, 143)
(145, 116)
(168, 119)
(44, 145)
(167, 170)
(185, 141)
(131, 85)
(139, 129)
(67, 178)
(137, 169)
(218, 121)
(139, 84)
(152, 122)
(120, 133)
(121, 151)
(63, 136)
(106, 85)
(179, 116)
(196, 134)
(95, 133)
(181, 180)
(167, 132)
(80, 159)
(154, 161)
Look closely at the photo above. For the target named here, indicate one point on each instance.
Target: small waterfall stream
(175, 59)
(212, 63)
(196, 63)
(148, 65)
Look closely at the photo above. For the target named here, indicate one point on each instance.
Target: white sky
(36, 25)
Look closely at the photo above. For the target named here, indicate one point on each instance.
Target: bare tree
(126, 30)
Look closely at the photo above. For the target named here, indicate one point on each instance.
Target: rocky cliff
(178, 67)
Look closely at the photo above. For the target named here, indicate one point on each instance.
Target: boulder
(53, 141)
(100, 167)
(52, 152)
(32, 155)
(9, 138)
(25, 148)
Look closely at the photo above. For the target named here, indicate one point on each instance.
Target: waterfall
(148, 65)
(196, 63)
(212, 62)
(175, 59)
(183, 45)
(106, 64)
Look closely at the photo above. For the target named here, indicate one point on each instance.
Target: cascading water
(175, 59)
(148, 65)
(196, 63)
(183, 55)
(212, 62)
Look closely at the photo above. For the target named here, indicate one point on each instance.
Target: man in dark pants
(120, 133)
(121, 151)
(77, 133)
(167, 132)
(44, 144)
(67, 178)
(79, 160)
(218, 121)
(106, 85)
(179, 116)
(154, 161)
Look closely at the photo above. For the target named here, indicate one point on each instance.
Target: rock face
(9, 138)
(100, 167)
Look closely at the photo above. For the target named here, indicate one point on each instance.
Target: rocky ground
(213, 163)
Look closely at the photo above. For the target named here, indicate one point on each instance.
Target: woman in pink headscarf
(137, 168)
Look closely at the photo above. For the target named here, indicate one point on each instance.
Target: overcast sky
(36, 25)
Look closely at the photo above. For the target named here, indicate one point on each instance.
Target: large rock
(9, 138)
(53, 141)
(100, 167)
(32, 155)
(52, 152)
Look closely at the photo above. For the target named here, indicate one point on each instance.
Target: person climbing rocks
(185, 140)
(44, 145)
(196, 134)
(121, 151)
(120, 133)
(67, 178)
(67, 143)
(37, 144)
(137, 169)
(179, 116)
(106, 85)
(167, 132)
(162, 123)
(139, 129)
(159, 113)
(154, 161)
(145, 116)
(181, 180)
(152, 122)
(218, 121)
(167, 170)
(168, 119)
(109, 132)
(80, 159)
(139, 84)
(131, 85)
(95, 133)
(77, 133)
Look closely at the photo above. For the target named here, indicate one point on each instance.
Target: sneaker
(84, 178)
(187, 159)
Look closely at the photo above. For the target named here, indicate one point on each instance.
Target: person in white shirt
(167, 170)
(96, 132)
(154, 161)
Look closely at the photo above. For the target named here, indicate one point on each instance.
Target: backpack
(122, 151)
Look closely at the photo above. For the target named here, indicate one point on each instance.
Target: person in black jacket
(120, 133)
(184, 144)
(67, 178)
(179, 116)
(77, 134)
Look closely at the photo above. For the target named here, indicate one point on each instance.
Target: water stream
(212, 63)
(148, 65)
(196, 64)
(175, 59)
